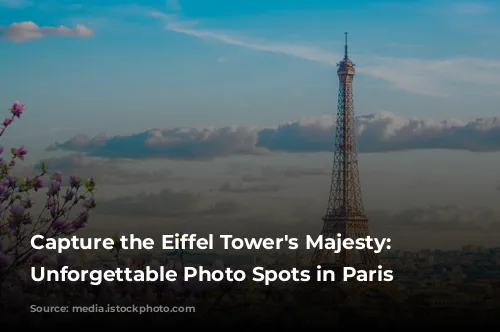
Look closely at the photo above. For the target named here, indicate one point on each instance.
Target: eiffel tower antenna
(345, 47)
(345, 213)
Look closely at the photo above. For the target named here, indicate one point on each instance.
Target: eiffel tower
(345, 214)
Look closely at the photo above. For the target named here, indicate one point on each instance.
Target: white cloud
(297, 51)
(19, 32)
(473, 8)
(436, 77)
(15, 3)
(441, 78)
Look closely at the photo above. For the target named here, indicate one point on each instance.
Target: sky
(215, 98)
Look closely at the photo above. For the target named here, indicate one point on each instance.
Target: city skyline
(243, 98)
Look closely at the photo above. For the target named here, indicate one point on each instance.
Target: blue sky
(428, 78)
(197, 62)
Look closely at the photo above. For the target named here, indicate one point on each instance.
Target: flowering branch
(64, 211)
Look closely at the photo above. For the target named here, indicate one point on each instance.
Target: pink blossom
(57, 176)
(9, 181)
(38, 183)
(69, 195)
(55, 186)
(59, 224)
(20, 152)
(7, 121)
(80, 221)
(17, 215)
(74, 181)
(17, 109)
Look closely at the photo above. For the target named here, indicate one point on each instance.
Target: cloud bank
(106, 171)
(378, 132)
(23, 31)
(266, 218)
(242, 187)
(167, 203)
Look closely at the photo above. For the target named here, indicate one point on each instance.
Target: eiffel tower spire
(345, 47)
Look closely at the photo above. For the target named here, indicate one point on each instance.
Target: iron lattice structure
(345, 213)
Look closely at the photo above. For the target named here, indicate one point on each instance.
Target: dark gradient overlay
(449, 288)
